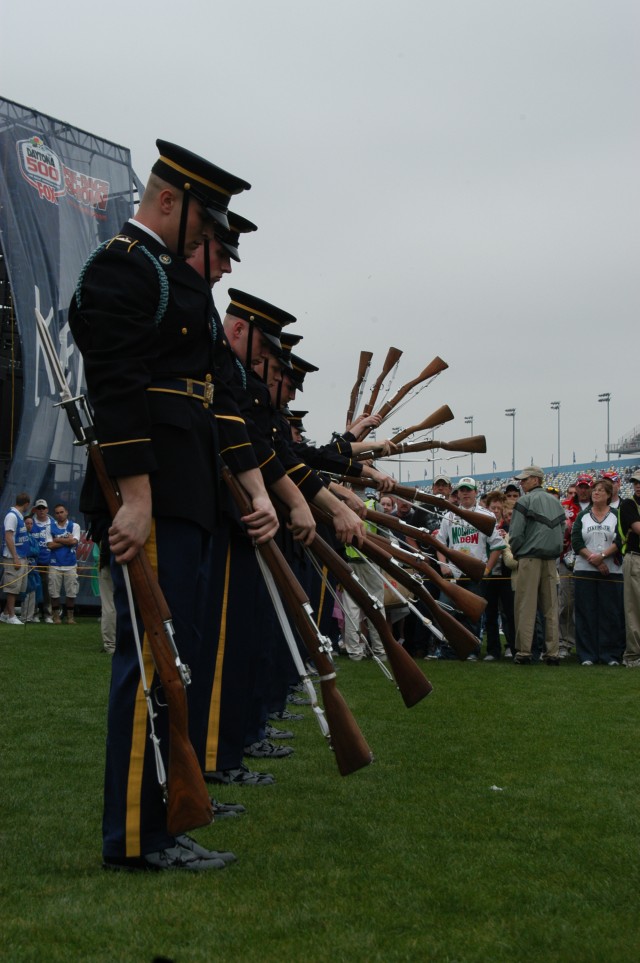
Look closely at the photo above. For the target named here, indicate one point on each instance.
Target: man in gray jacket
(535, 537)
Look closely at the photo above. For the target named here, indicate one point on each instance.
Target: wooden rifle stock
(483, 522)
(438, 417)
(363, 367)
(461, 640)
(475, 444)
(349, 745)
(393, 356)
(412, 683)
(471, 566)
(469, 603)
(432, 369)
(188, 801)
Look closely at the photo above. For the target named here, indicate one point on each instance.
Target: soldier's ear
(167, 200)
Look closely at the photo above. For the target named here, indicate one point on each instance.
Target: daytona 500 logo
(43, 169)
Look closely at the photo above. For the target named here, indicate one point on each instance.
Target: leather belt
(188, 387)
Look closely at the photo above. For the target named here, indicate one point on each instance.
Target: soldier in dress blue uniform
(145, 324)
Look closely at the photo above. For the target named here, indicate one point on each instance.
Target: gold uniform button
(185, 330)
(208, 378)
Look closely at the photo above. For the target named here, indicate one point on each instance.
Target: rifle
(483, 522)
(348, 743)
(461, 640)
(393, 356)
(356, 391)
(475, 444)
(433, 368)
(438, 417)
(467, 602)
(471, 566)
(411, 682)
(185, 791)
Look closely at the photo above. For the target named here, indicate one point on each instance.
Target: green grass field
(417, 857)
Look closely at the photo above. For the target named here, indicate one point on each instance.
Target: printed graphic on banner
(42, 168)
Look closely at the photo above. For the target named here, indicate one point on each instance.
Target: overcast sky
(454, 178)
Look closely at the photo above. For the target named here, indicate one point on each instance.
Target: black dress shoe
(266, 750)
(242, 776)
(174, 857)
(188, 843)
(223, 810)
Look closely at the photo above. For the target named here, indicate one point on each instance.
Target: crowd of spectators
(564, 581)
(39, 564)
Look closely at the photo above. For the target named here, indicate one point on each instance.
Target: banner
(62, 192)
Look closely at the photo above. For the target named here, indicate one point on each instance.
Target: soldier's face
(199, 227)
(288, 389)
(219, 261)
(259, 347)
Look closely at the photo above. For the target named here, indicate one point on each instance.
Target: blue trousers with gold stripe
(134, 819)
(236, 600)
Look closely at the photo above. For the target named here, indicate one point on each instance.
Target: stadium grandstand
(628, 445)
(560, 477)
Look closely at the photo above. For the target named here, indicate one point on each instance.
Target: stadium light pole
(555, 406)
(433, 460)
(606, 397)
(469, 421)
(396, 431)
(511, 413)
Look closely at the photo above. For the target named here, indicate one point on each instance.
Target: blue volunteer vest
(39, 532)
(21, 535)
(67, 554)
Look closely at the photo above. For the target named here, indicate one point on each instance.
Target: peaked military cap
(269, 319)
(229, 238)
(301, 369)
(287, 342)
(198, 178)
(295, 418)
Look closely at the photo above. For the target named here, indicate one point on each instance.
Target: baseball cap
(532, 472)
(467, 482)
(611, 475)
(512, 487)
(635, 477)
(444, 478)
(584, 480)
(41, 503)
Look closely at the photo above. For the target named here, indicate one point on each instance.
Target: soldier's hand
(350, 498)
(384, 483)
(132, 522)
(129, 531)
(348, 527)
(302, 524)
(262, 524)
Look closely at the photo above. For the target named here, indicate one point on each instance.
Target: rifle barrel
(412, 683)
